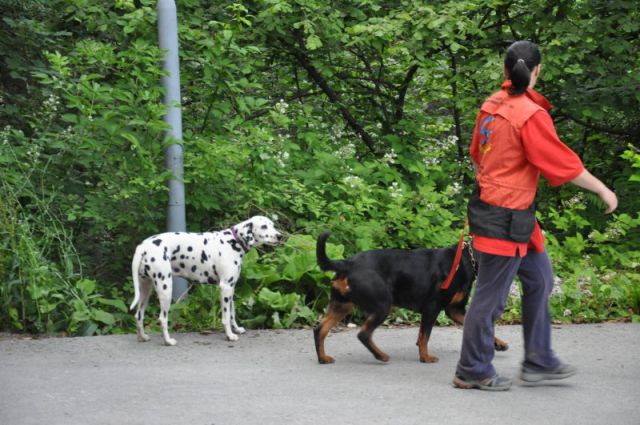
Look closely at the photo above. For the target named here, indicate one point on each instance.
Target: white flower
(514, 291)
(557, 289)
(430, 161)
(566, 312)
(577, 199)
(346, 151)
(281, 106)
(352, 181)
(390, 157)
(395, 190)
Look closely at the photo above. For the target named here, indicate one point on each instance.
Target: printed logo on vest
(485, 132)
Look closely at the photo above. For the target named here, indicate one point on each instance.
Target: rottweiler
(377, 279)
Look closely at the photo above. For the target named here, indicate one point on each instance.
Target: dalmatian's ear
(247, 234)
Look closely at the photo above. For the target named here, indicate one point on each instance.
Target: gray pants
(495, 276)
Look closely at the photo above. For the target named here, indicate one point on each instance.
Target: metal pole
(168, 39)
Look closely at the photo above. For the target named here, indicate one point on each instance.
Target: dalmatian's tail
(325, 263)
(135, 267)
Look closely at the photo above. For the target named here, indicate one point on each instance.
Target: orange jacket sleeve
(544, 149)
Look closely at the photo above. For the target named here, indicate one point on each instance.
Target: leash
(456, 262)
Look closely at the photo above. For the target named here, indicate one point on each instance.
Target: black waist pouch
(498, 222)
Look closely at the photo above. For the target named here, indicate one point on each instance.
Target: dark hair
(519, 61)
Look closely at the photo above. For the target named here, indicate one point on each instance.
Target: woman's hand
(587, 181)
(609, 198)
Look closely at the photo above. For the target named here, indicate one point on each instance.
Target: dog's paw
(239, 330)
(429, 359)
(326, 360)
(232, 337)
(500, 345)
(383, 357)
(170, 342)
(143, 338)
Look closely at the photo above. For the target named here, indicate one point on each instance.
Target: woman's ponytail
(519, 61)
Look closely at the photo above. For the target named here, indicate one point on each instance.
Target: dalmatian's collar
(239, 239)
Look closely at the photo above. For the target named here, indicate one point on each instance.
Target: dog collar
(238, 239)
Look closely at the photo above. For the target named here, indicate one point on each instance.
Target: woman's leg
(495, 276)
(536, 276)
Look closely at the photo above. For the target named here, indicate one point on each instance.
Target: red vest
(505, 176)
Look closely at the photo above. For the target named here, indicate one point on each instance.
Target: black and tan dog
(376, 280)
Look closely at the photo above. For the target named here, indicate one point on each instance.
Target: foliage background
(352, 115)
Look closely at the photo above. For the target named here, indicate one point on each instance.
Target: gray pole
(168, 39)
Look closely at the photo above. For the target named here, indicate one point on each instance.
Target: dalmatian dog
(212, 257)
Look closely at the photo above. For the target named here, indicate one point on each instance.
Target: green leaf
(103, 317)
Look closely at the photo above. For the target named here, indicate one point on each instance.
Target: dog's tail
(135, 268)
(325, 263)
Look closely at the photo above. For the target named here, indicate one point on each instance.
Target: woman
(513, 143)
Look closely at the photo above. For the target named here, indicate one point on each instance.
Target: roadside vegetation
(351, 116)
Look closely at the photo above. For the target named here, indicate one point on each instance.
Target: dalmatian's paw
(232, 337)
(170, 342)
(240, 330)
(143, 338)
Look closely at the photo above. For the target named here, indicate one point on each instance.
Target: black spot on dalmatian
(176, 270)
(206, 273)
(157, 242)
(211, 280)
(231, 279)
(226, 299)
(139, 314)
(147, 267)
(154, 276)
(203, 257)
(219, 254)
(169, 276)
(190, 249)
(176, 250)
(225, 309)
(235, 262)
(221, 242)
(182, 265)
(206, 240)
(182, 257)
(165, 314)
(193, 269)
(173, 258)
(235, 245)
(164, 287)
(153, 259)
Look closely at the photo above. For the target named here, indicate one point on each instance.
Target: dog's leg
(336, 312)
(226, 296)
(164, 287)
(366, 333)
(145, 291)
(234, 326)
(457, 315)
(426, 325)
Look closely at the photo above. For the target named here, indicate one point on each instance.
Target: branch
(402, 93)
(600, 128)
(301, 56)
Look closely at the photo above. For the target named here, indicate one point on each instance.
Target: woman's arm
(587, 181)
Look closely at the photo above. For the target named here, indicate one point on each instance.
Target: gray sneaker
(530, 375)
(496, 383)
